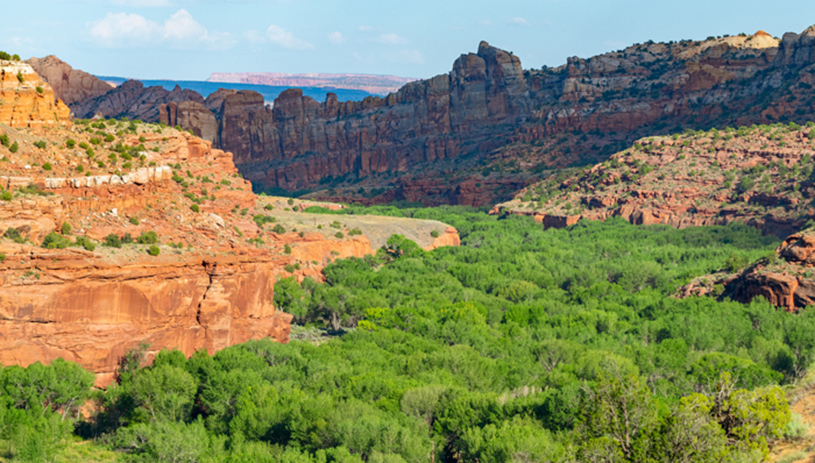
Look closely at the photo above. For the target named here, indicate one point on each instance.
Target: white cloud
(182, 26)
(279, 36)
(405, 57)
(485, 22)
(365, 28)
(391, 39)
(336, 38)
(180, 30)
(117, 29)
(518, 21)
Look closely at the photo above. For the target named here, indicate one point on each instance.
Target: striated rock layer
(90, 311)
(26, 100)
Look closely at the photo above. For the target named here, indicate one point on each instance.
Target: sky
(189, 39)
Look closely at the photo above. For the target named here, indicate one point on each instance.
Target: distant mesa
(371, 83)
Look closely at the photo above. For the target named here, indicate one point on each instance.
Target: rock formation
(134, 101)
(191, 115)
(27, 101)
(70, 85)
(759, 175)
(785, 278)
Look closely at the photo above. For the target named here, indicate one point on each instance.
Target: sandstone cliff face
(70, 85)
(191, 115)
(785, 279)
(134, 101)
(82, 308)
(304, 141)
(27, 101)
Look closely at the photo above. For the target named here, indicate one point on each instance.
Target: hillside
(116, 232)
(760, 175)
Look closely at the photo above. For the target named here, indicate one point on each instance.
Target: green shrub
(39, 89)
(6, 195)
(40, 144)
(290, 201)
(2, 256)
(47, 166)
(279, 229)
(287, 249)
(14, 235)
(113, 241)
(153, 250)
(85, 242)
(70, 143)
(55, 241)
(20, 77)
(339, 235)
(134, 220)
(65, 228)
(434, 233)
(195, 208)
(354, 232)
(268, 207)
(14, 147)
(4, 140)
(149, 237)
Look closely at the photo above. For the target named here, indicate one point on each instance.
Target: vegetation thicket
(521, 345)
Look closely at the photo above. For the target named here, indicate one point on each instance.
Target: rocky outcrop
(71, 305)
(27, 101)
(134, 101)
(796, 50)
(69, 84)
(191, 115)
(786, 280)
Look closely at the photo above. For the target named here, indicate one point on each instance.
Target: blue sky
(189, 39)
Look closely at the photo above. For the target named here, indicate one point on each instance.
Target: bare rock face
(26, 100)
(134, 101)
(304, 141)
(190, 115)
(797, 50)
(69, 84)
(91, 313)
(785, 280)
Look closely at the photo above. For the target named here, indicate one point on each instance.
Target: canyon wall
(487, 120)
